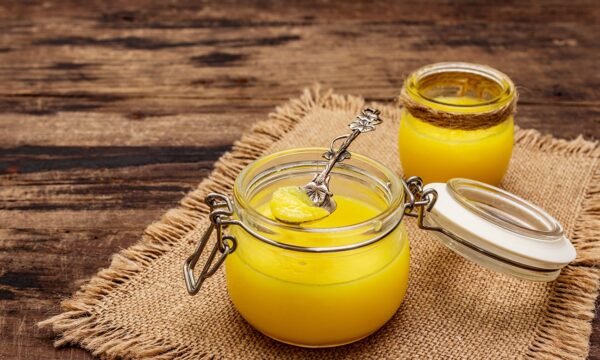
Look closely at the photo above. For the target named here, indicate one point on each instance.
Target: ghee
(292, 204)
(319, 299)
(440, 150)
(443, 154)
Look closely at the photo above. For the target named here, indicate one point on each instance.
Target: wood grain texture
(111, 111)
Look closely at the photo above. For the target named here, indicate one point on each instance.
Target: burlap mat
(139, 307)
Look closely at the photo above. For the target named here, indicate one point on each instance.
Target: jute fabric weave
(139, 308)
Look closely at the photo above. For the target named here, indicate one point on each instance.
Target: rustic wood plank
(111, 111)
(221, 130)
(129, 129)
(30, 286)
(198, 62)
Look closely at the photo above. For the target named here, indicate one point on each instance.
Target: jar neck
(459, 95)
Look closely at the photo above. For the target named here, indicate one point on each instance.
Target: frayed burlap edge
(563, 333)
(566, 327)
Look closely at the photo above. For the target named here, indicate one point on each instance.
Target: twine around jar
(455, 120)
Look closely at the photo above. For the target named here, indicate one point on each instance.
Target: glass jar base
(318, 346)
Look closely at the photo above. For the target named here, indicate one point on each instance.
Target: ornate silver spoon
(318, 189)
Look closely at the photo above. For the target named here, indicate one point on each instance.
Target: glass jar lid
(498, 230)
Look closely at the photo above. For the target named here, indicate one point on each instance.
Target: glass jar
(328, 286)
(334, 294)
(459, 117)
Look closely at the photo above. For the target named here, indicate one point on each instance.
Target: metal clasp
(221, 210)
(419, 201)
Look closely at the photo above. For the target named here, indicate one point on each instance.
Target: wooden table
(110, 113)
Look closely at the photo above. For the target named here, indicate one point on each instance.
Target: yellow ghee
(291, 204)
(319, 299)
(438, 154)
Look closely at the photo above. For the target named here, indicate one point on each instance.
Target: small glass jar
(457, 121)
(333, 285)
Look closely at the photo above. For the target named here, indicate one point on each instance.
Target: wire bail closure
(221, 210)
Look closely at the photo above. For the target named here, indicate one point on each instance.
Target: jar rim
(502, 208)
(393, 205)
(507, 86)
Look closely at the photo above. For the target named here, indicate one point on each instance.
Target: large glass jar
(457, 122)
(333, 294)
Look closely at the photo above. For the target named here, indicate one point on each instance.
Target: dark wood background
(111, 112)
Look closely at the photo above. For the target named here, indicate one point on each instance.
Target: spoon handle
(318, 188)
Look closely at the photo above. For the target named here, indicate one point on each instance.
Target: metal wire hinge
(221, 210)
(419, 201)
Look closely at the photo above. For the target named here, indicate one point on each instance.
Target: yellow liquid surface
(438, 154)
(319, 300)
